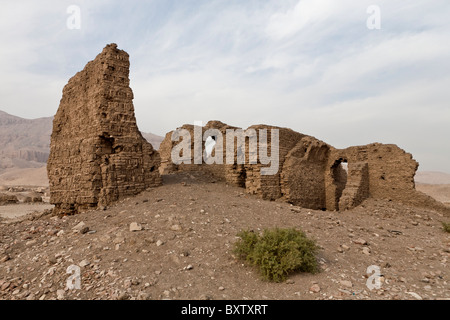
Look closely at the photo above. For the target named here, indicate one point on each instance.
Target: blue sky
(310, 65)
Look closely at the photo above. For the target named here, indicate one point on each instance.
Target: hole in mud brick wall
(118, 149)
(210, 143)
(345, 166)
(339, 172)
(106, 144)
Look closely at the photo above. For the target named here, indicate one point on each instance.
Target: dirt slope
(184, 250)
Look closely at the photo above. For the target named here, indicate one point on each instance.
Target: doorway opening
(210, 143)
(339, 173)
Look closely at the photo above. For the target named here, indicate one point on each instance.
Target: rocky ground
(176, 241)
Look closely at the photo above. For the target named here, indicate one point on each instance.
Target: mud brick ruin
(98, 155)
(313, 174)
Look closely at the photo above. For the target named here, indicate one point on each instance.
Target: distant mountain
(432, 177)
(154, 139)
(25, 143)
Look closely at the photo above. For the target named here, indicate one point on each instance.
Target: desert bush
(446, 227)
(278, 252)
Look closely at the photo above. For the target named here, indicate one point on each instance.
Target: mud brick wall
(269, 186)
(233, 174)
(166, 147)
(357, 187)
(303, 174)
(311, 173)
(99, 156)
(242, 175)
(391, 171)
(97, 153)
(7, 199)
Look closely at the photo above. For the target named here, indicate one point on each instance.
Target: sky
(348, 72)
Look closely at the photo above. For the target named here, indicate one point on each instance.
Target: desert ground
(434, 184)
(24, 183)
(440, 192)
(176, 242)
(24, 177)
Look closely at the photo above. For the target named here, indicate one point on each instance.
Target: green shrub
(446, 227)
(278, 252)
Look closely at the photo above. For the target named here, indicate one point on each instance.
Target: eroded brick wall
(312, 173)
(390, 171)
(97, 154)
(303, 174)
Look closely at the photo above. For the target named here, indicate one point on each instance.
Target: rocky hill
(24, 143)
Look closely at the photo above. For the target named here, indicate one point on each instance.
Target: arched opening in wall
(339, 173)
(106, 144)
(345, 166)
(209, 145)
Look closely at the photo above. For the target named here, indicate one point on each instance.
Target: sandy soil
(19, 210)
(24, 177)
(440, 192)
(184, 250)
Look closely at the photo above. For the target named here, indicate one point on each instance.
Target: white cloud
(305, 14)
(311, 65)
